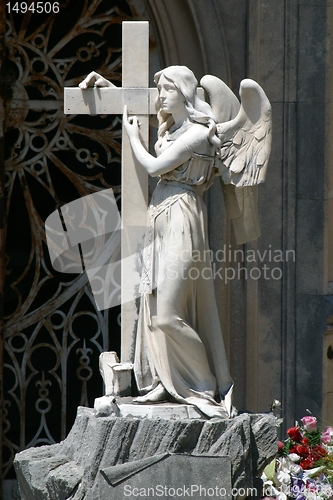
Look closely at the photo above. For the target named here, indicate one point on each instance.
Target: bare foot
(157, 395)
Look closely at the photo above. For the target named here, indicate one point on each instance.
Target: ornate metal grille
(53, 332)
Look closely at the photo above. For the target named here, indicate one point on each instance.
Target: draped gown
(179, 340)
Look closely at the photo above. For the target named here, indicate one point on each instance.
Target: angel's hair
(198, 111)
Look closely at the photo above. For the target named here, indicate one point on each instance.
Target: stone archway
(185, 33)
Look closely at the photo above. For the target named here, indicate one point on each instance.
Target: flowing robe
(179, 339)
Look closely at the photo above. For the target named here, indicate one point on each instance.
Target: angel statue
(180, 354)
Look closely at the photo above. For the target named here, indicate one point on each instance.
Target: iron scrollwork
(53, 332)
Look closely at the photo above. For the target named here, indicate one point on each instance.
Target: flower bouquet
(303, 469)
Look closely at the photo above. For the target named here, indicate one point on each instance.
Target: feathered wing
(246, 139)
(246, 132)
(222, 100)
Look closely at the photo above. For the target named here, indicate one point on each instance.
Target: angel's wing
(246, 139)
(222, 100)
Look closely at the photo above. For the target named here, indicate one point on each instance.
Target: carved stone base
(102, 455)
(124, 407)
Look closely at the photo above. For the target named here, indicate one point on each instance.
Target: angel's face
(171, 99)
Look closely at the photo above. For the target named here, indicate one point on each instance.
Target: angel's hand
(131, 125)
(220, 130)
(95, 80)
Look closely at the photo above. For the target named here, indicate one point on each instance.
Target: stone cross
(140, 101)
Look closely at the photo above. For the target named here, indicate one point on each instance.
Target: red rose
(317, 452)
(306, 463)
(280, 446)
(305, 441)
(294, 433)
(293, 449)
(302, 450)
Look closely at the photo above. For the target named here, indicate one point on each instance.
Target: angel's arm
(174, 156)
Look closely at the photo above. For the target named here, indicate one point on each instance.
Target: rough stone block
(97, 450)
(62, 481)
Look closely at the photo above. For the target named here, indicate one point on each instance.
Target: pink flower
(326, 436)
(310, 423)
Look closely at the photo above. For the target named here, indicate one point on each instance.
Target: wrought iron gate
(53, 333)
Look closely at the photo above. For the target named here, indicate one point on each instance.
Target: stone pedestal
(125, 407)
(101, 456)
